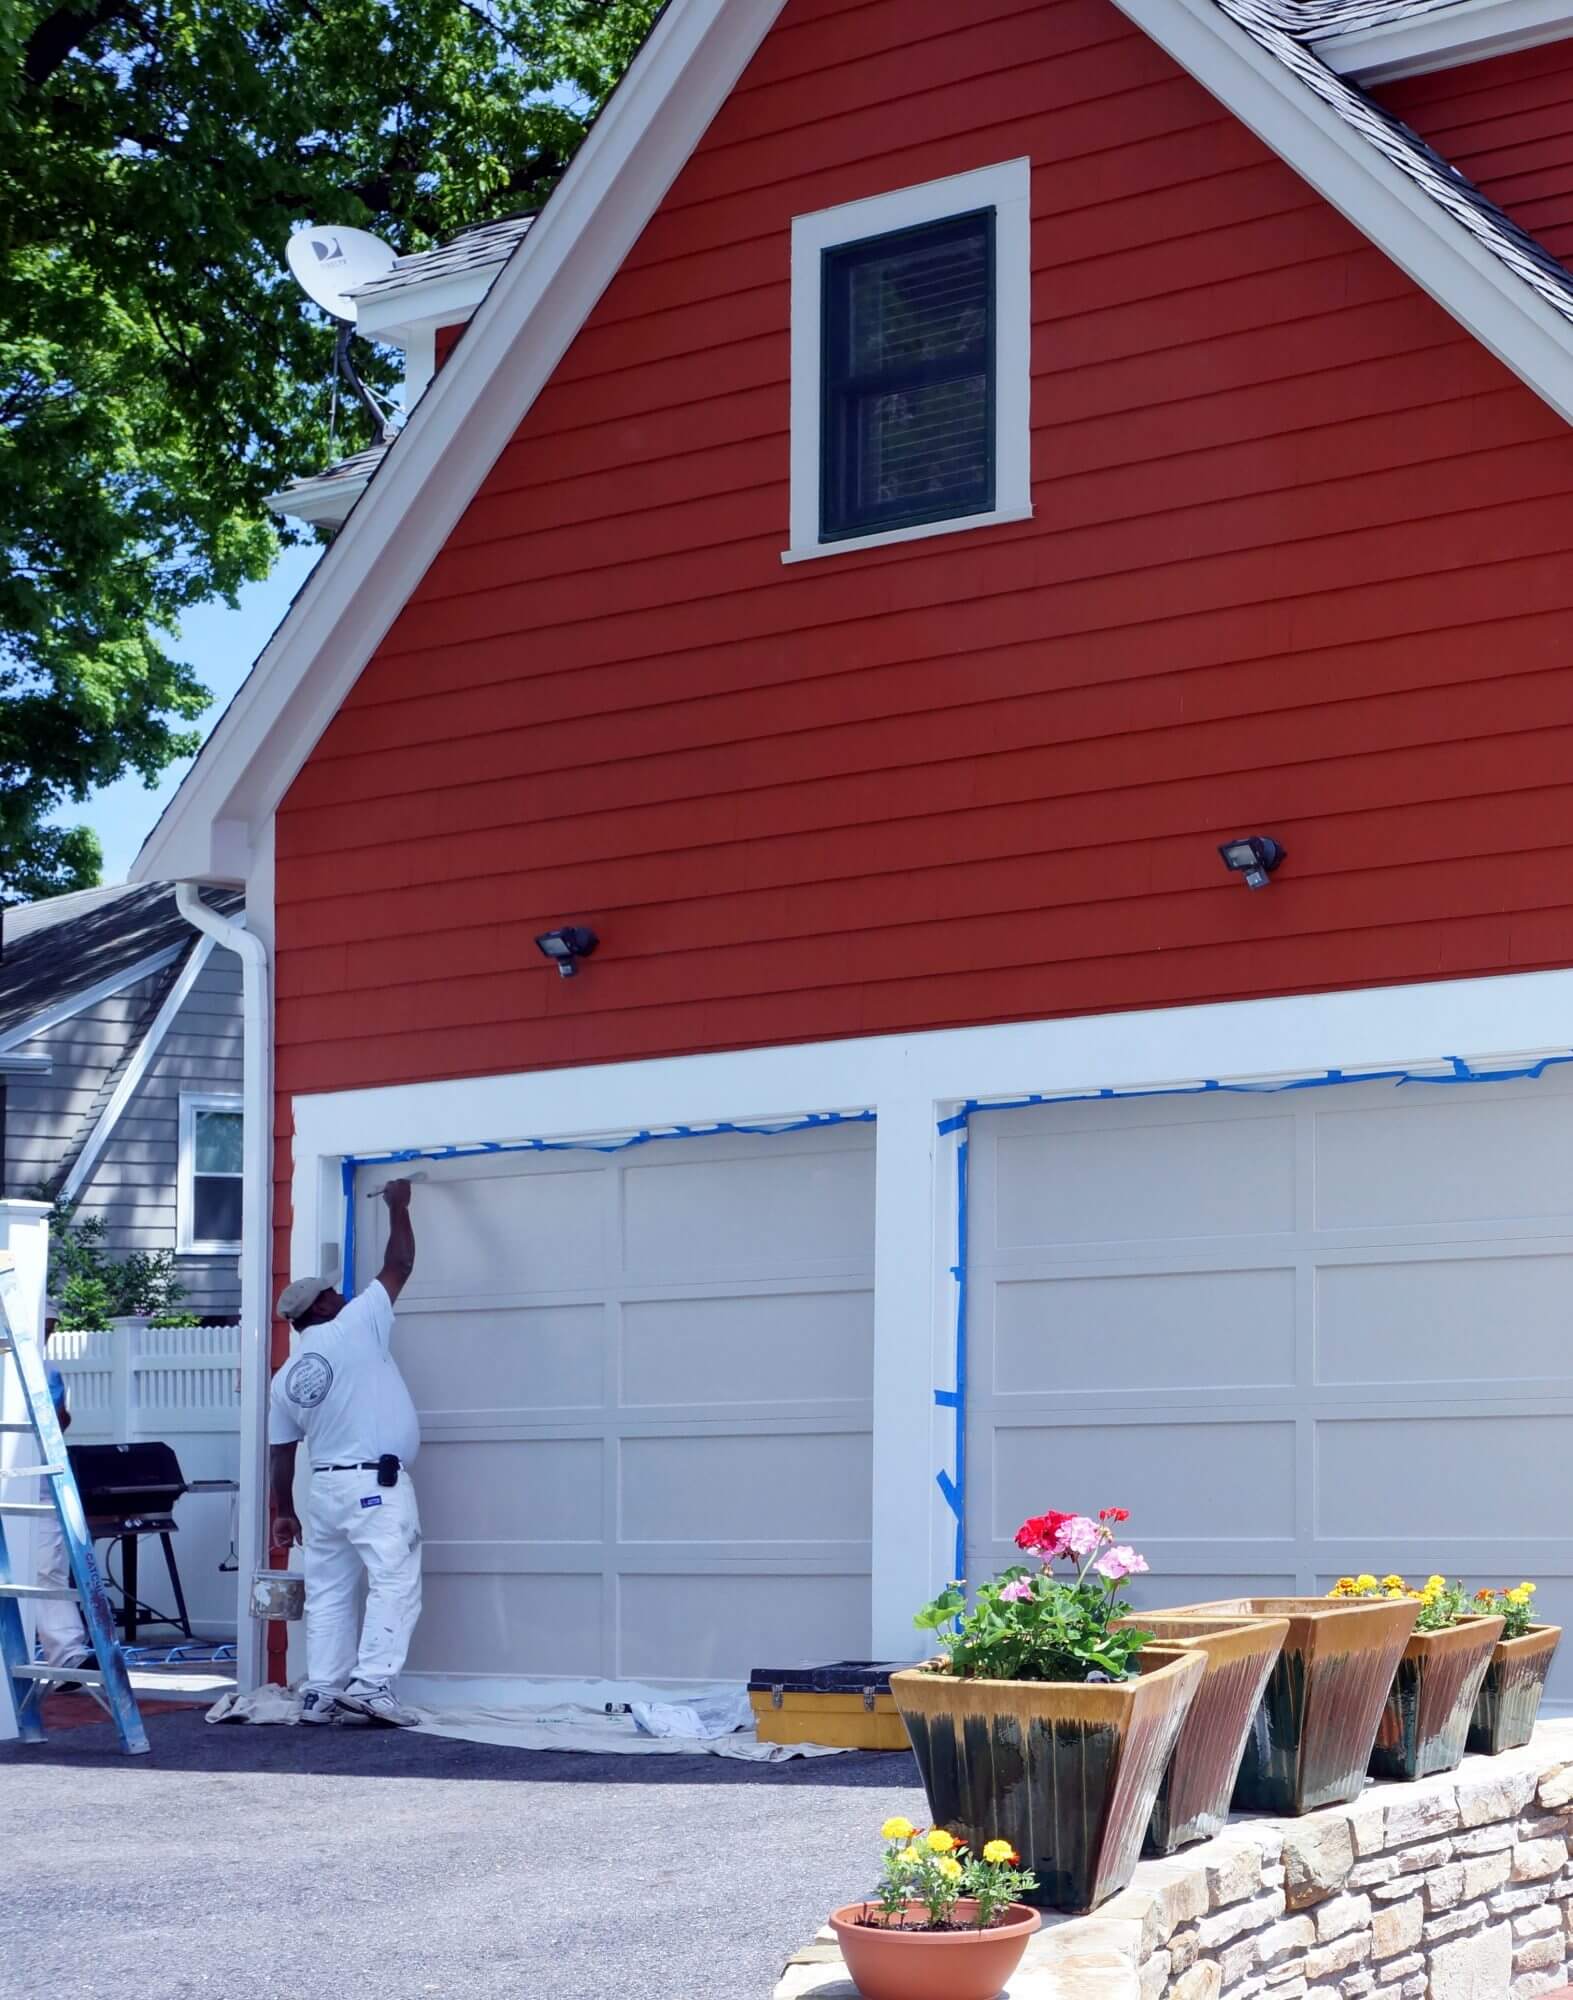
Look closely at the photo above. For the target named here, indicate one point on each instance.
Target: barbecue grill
(128, 1491)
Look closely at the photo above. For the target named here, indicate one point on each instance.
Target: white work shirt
(342, 1391)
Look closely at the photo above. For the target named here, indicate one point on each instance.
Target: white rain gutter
(255, 1263)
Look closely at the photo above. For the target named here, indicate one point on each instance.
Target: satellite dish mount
(329, 266)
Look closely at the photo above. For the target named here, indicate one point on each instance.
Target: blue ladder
(109, 1681)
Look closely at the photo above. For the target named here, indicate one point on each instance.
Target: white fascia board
(19, 1062)
(88, 996)
(443, 301)
(136, 1069)
(1502, 312)
(323, 504)
(1473, 31)
(633, 152)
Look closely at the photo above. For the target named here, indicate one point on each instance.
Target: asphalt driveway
(286, 1864)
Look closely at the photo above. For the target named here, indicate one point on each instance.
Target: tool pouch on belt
(388, 1469)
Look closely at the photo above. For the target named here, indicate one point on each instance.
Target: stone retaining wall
(1455, 1888)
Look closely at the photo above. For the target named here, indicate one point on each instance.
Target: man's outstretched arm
(399, 1259)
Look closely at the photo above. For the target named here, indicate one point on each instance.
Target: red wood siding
(1298, 566)
(1507, 124)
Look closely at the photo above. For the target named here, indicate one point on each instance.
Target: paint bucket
(278, 1593)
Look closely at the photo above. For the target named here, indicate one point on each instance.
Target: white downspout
(256, 1272)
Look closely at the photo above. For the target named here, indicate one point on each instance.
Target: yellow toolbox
(846, 1704)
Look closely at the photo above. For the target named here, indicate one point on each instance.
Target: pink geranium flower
(1120, 1561)
(1079, 1536)
(1019, 1590)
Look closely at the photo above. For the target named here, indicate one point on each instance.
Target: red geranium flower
(1114, 1513)
(1040, 1535)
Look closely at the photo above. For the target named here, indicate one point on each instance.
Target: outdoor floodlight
(1254, 856)
(567, 946)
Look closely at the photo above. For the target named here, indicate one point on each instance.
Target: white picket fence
(181, 1385)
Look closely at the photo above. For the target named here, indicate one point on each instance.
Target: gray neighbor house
(120, 1076)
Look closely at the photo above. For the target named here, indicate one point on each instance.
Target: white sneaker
(378, 1704)
(317, 1706)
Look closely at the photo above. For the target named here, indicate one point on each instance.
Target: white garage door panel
(1172, 1329)
(1445, 1153)
(1188, 1477)
(719, 1627)
(540, 1358)
(769, 1349)
(800, 1486)
(1145, 1176)
(501, 1625)
(527, 1490)
(1430, 1311)
(1295, 1335)
(645, 1389)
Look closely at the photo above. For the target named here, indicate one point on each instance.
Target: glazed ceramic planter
(932, 1965)
(1509, 1697)
(1432, 1700)
(1195, 1791)
(1066, 1771)
(1311, 1738)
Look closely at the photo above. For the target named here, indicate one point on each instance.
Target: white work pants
(343, 1536)
(57, 1622)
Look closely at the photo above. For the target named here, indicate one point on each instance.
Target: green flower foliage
(159, 371)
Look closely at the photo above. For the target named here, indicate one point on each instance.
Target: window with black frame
(907, 419)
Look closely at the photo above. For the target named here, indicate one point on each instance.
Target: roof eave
(1471, 31)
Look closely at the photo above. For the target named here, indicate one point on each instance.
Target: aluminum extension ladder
(109, 1682)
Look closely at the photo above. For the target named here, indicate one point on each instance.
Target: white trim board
(911, 1082)
(89, 996)
(1007, 189)
(187, 1243)
(543, 294)
(1468, 32)
(142, 1059)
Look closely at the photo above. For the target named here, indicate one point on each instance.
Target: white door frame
(913, 1083)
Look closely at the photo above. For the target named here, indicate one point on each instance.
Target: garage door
(644, 1384)
(1297, 1335)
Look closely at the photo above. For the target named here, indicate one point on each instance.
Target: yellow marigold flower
(940, 1842)
(1400, 1593)
(1394, 1582)
(1528, 1589)
(897, 1829)
(950, 1868)
(1365, 1581)
(906, 1860)
(1345, 1583)
(998, 1850)
(1436, 1583)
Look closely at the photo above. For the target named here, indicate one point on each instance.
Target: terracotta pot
(1509, 1697)
(1195, 1790)
(932, 1965)
(1311, 1738)
(1066, 1771)
(1432, 1700)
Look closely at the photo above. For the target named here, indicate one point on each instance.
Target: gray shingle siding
(133, 1185)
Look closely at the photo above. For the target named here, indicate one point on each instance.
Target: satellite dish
(330, 262)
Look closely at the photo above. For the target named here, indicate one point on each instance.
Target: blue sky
(221, 644)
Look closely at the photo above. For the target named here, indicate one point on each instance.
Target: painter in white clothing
(341, 1394)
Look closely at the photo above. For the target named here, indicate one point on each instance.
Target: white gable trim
(131, 1076)
(88, 996)
(1472, 31)
(694, 54)
(1502, 312)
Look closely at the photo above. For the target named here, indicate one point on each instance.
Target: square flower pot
(1195, 1790)
(1066, 1771)
(1509, 1697)
(1310, 1740)
(1432, 1700)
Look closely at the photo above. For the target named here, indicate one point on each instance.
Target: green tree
(159, 371)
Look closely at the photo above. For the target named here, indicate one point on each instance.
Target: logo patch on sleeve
(372, 1500)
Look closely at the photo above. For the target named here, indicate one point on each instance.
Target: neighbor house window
(911, 320)
(210, 1173)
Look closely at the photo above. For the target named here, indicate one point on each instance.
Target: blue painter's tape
(347, 1247)
(947, 1486)
(946, 1398)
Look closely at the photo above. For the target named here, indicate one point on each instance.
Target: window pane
(218, 1142)
(908, 423)
(215, 1210)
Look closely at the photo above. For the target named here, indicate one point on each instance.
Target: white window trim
(1007, 189)
(187, 1243)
